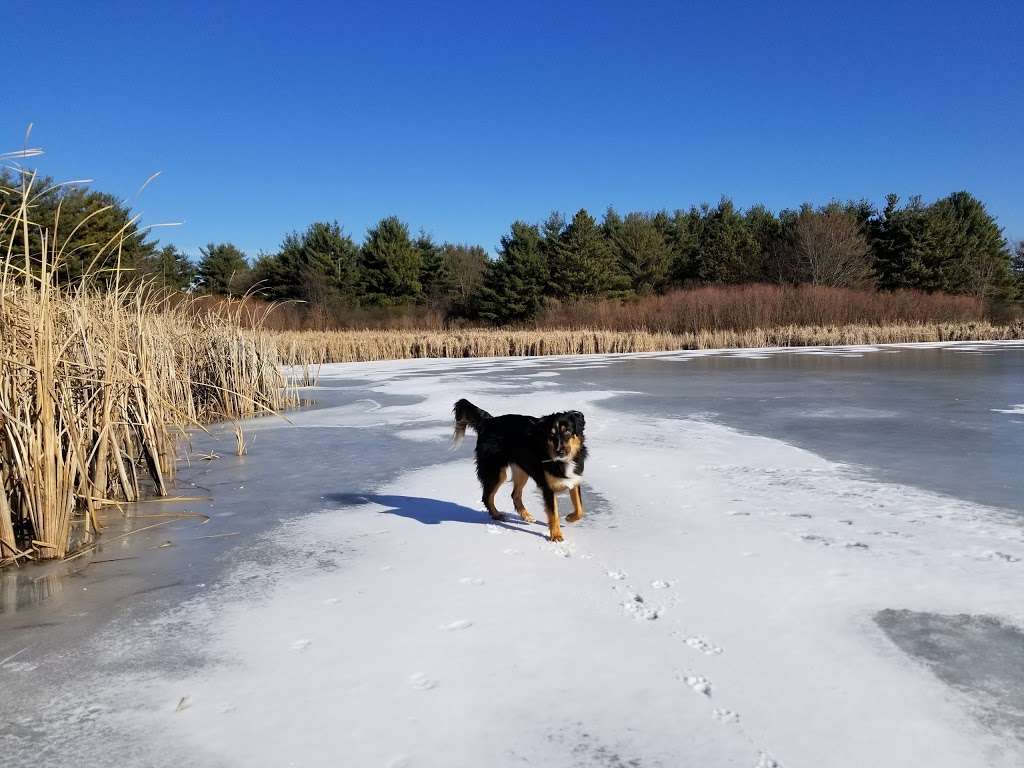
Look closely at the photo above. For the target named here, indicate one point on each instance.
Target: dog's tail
(467, 415)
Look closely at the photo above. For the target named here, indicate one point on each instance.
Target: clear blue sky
(460, 117)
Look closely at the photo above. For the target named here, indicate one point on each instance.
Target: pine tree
(435, 270)
(222, 269)
(267, 277)
(894, 235)
(513, 287)
(390, 264)
(93, 231)
(766, 230)
(953, 245)
(970, 253)
(611, 224)
(467, 265)
(680, 232)
(728, 252)
(642, 253)
(330, 253)
(582, 263)
(319, 265)
(167, 268)
(551, 231)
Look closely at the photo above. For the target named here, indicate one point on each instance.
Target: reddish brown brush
(745, 307)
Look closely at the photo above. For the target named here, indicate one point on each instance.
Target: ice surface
(729, 600)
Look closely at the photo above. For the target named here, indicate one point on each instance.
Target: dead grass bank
(309, 348)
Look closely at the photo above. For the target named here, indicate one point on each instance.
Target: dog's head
(564, 434)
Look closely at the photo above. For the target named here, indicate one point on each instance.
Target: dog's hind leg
(491, 482)
(577, 505)
(519, 478)
(551, 507)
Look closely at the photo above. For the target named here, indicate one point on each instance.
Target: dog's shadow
(430, 511)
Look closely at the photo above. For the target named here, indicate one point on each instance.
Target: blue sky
(460, 117)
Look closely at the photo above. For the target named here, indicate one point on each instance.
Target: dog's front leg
(519, 478)
(577, 505)
(551, 507)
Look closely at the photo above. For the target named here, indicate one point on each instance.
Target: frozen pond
(947, 419)
(805, 557)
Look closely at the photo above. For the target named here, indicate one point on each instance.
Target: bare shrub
(828, 248)
(762, 306)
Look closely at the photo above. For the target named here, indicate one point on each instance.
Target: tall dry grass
(98, 386)
(306, 349)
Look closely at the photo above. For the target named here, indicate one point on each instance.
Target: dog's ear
(578, 422)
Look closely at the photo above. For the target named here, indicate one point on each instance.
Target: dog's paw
(573, 518)
(526, 516)
(556, 536)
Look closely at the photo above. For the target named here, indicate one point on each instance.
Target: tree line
(951, 245)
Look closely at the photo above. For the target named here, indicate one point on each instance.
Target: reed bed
(306, 349)
(99, 383)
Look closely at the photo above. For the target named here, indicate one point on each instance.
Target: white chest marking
(567, 483)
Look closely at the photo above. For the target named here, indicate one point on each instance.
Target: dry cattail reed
(305, 350)
(100, 380)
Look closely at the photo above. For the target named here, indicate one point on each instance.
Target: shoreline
(308, 348)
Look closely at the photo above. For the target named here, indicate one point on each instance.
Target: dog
(549, 450)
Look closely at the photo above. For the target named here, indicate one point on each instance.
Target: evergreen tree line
(86, 230)
(952, 245)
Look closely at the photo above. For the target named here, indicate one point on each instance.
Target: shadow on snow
(429, 511)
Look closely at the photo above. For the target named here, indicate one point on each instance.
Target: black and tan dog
(548, 449)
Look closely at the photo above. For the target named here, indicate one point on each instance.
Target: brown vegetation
(746, 307)
(97, 388)
(308, 349)
(740, 307)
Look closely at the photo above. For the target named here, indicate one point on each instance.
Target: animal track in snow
(725, 715)
(767, 761)
(494, 530)
(457, 625)
(617, 575)
(332, 601)
(475, 581)
(815, 538)
(703, 645)
(636, 607)
(301, 645)
(560, 552)
(421, 682)
(1004, 556)
(402, 761)
(698, 683)
(659, 584)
